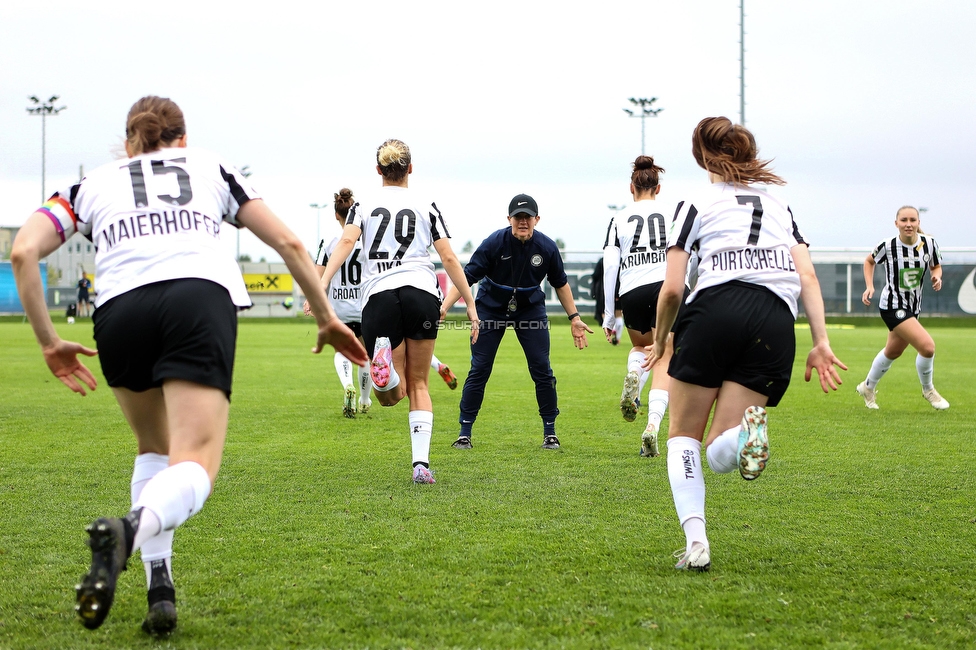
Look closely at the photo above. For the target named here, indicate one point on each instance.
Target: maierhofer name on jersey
(755, 259)
(156, 223)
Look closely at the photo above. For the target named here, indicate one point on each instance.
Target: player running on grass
(636, 243)
(344, 295)
(165, 326)
(735, 343)
(906, 259)
(400, 295)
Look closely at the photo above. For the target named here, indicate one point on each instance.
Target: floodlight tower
(642, 109)
(742, 62)
(44, 108)
(318, 221)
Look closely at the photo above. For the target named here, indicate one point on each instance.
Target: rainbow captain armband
(61, 215)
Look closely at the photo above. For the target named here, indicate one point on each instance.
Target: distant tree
(262, 260)
(244, 258)
(468, 247)
(560, 244)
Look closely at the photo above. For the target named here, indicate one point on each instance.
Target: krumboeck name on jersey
(646, 257)
(754, 259)
(156, 224)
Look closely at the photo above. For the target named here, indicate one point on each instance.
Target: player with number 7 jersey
(741, 233)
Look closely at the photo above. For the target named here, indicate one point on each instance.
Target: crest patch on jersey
(900, 314)
(536, 260)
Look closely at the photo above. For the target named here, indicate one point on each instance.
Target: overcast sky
(864, 106)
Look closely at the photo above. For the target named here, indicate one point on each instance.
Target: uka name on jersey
(157, 223)
(752, 258)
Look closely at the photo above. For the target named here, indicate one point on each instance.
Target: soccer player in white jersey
(636, 245)
(165, 326)
(344, 295)
(400, 295)
(735, 342)
(906, 257)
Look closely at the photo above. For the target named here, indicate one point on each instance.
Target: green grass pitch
(860, 534)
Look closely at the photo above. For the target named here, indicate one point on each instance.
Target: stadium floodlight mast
(742, 62)
(318, 221)
(643, 110)
(44, 108)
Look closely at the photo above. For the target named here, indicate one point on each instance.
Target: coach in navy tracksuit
(511, 264)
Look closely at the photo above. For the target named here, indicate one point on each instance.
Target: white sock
(634, 361)
(159, 547)
(365, 385)
(643, 381)
(657, 404)
(925, 367)
(688, 487)
(879, 367)
(421, 426)
(170, 498)
(723, 453)
(435, 363)
(343, 368)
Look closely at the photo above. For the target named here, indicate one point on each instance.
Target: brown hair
(152, 122)
(729, 150)
(393, 157)
(646, 175)
(343, 201)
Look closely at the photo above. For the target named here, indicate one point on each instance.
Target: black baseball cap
(523, 203)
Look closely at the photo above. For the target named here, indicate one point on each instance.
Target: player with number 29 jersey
(177, 199)
(398, 227)
(740, 233)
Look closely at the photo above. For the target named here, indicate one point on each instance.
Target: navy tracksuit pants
(531, 326)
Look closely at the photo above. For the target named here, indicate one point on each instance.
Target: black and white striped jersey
(397, 229)
(157, 216)
(905, 266)
(344, 290)
(740, 233)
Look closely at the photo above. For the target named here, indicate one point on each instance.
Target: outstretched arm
(821, 357)
(578, 327)
(36, 240)
(869, 265)
(461, 289)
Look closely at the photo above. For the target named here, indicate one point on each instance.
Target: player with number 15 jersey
(149, 224)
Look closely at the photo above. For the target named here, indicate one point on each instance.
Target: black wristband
(572, 316)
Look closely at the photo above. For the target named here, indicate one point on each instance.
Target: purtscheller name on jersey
(157, 223)
(753, 258)
(646, 257)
